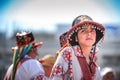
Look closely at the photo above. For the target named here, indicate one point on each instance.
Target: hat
(47, 60)
(63, 39)
(81, 18)
(63, 42)
(80, 22)
(25, 38)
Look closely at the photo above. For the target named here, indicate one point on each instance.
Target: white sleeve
(8, 73)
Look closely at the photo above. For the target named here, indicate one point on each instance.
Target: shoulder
(33, 66)
(32, 62)
(65, 54)
(66, 49)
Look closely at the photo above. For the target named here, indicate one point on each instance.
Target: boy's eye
(93, 29)
(82, 30)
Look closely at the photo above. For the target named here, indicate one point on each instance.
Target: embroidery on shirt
(38, 77)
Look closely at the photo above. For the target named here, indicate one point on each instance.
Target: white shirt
(30, 69)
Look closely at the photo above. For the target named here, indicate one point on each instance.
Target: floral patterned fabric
(67, 66)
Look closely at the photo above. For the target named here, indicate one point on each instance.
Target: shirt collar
(78, 52)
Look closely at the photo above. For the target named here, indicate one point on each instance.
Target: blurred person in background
(47, 62)
(24, 65)
(108, 74)
(78, 60)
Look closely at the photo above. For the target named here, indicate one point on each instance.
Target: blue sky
(44, 14)
(114, 5)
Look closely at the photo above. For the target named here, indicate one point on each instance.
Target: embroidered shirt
(67, 66)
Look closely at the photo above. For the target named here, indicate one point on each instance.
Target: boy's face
(87, 35)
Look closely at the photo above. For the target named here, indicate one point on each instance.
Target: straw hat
(47, 60)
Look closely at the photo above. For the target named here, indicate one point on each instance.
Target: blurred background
(47, 19)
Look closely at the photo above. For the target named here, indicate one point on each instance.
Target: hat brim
(35, 44)
(87, 22)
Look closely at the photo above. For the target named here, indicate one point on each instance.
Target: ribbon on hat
(25, 50)
(19, 53)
